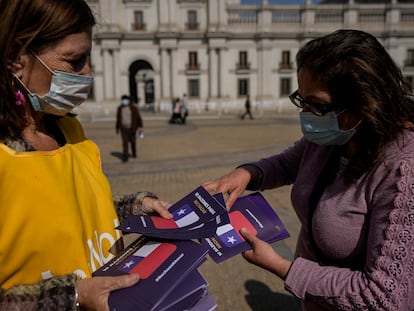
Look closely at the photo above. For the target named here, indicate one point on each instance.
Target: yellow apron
(57, 213)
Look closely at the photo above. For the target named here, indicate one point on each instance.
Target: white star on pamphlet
(231, 239)
(128, 264)
(181, 212)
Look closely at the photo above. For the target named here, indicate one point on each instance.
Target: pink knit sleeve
(386, 281)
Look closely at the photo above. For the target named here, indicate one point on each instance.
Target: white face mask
(67, 91)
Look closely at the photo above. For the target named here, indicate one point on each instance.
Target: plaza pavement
(174, 159)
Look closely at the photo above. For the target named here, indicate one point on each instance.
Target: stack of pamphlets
(169, 252)
(168, 275)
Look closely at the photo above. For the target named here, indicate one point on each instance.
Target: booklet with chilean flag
(252, 212)
(163, 266)
(195, 216)
(200, 215)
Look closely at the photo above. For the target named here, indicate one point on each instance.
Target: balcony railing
(407, 17)
(409, 63)
(192, 26)
(243, 17)
(371, 17)
(242, 66)
(286, 17)
(138, 26)
(317, 18)
(285, 66)
(192, 68)
(329, 17)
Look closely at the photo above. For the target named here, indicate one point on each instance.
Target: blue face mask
(67, 91)
(324, 130)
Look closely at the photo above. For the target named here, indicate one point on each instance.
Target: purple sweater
(364, 231)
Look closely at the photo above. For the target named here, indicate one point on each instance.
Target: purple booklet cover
(195, 216)
(206, 303)
(161, 264)
(252, 212)
(186, 294)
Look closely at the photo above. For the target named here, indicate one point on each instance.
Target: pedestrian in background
(184, 108)
(128, 122)
(176, 111)
(247, 109)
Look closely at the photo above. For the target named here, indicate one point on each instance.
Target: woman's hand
(263, 255)
(152, 205)
(233, 183)
(93, 293)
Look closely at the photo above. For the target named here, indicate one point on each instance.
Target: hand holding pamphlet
(162, 266)
(195, 216)
(168, 254)
(255, 214)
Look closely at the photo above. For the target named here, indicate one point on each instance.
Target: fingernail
(134, 277)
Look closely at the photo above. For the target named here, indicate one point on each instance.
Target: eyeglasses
(316, 109)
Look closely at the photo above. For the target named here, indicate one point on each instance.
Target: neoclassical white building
(218, 51)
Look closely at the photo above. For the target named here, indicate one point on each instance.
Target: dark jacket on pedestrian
(136, 120)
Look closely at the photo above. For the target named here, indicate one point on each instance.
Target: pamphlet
(253, 213)
(189, 291)
(195, 216)
(162, 266)
(206, 303)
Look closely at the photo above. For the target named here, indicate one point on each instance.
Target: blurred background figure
(128, 121)
(176, 111)
(247, 107)
(184, 109)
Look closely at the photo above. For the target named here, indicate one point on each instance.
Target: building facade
(219, 51)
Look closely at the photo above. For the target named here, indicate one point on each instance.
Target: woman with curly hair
(352, 177)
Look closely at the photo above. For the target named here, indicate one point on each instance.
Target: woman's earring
(20, 98)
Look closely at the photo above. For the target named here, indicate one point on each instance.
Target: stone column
(264, 55)
(171, 72)
(164, 70)
(213, 73)
(117, 74)
(219, 72)
(108, 74)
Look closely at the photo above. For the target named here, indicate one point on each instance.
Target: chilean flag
(148, 258)
(182, 217)
(229, 233)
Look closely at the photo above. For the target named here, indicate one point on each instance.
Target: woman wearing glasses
(352, 176)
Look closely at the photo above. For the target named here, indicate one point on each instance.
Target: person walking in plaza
(128, 122)
(176, 111)
(353, 180)
(184, 109)
(247, 107)
(58, 213)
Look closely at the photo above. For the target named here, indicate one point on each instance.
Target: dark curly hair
(362, 77)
